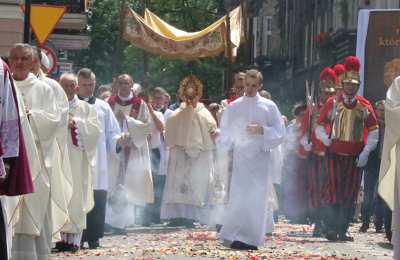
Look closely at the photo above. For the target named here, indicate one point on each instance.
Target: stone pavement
(288, 242)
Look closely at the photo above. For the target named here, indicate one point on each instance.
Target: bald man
(83, 133)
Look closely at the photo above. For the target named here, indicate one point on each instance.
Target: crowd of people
(331, 167)
(77, 160)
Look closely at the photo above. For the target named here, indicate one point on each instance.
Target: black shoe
(331, 235)
(389, 235)
(378, 227)
(61, 246)
(242, 246)
(345, 237)
(73, 249)
(364, 228)
(94, 244)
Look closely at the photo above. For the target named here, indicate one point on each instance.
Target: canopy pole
(228, 81)
(145, 81)
(117, 55)
(247, 42)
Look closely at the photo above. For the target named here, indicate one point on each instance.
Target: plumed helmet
(352, 73)
(327, 80)
(340, 73)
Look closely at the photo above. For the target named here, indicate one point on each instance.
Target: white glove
(362, 159)
(304, 142)
(327, 142)
(370, 145)
(322, 135)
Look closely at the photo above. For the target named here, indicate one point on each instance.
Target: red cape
(134, 101)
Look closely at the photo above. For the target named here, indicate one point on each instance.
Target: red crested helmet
(327, 80)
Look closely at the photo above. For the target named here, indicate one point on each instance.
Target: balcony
(73, 6)
(73, 21)
(69, 42)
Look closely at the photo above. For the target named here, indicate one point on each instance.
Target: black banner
(382, 53)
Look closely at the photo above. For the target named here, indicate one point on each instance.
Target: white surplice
(62, 184)
(190, 166)
(106, 145)
(245, 215)
(389, 175)
(38, 211)
(82, 155)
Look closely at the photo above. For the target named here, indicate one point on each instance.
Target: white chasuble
(39, 100)
(132, 169)
(62, 183)
(82, 145)
(188, 136)
(389, 175)
(135, 160)
(17, 207)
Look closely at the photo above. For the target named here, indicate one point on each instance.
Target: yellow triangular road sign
(44, 19)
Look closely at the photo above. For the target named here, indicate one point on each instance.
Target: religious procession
(240, 130)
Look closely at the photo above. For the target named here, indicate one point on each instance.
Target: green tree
(189, 15)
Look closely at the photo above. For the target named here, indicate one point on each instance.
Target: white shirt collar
(126, 98)
(256, 97)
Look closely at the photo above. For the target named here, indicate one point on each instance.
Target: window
(266, 36)
(306, 45)
(319, 30)
(311, 47)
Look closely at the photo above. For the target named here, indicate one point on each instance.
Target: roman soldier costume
(312, 147)
(353, 135)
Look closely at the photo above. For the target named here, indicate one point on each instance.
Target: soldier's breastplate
(349, 124)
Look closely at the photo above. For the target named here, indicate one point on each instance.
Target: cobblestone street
(288, 242)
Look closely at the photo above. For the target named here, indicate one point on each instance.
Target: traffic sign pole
(27, 18)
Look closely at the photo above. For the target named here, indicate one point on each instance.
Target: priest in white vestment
(15, 177)
(61, 176)
(83, 134)
(189, 135)
(389, 175)
(110, 139)
(251, 126)
(33, 228)
(131, 183)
